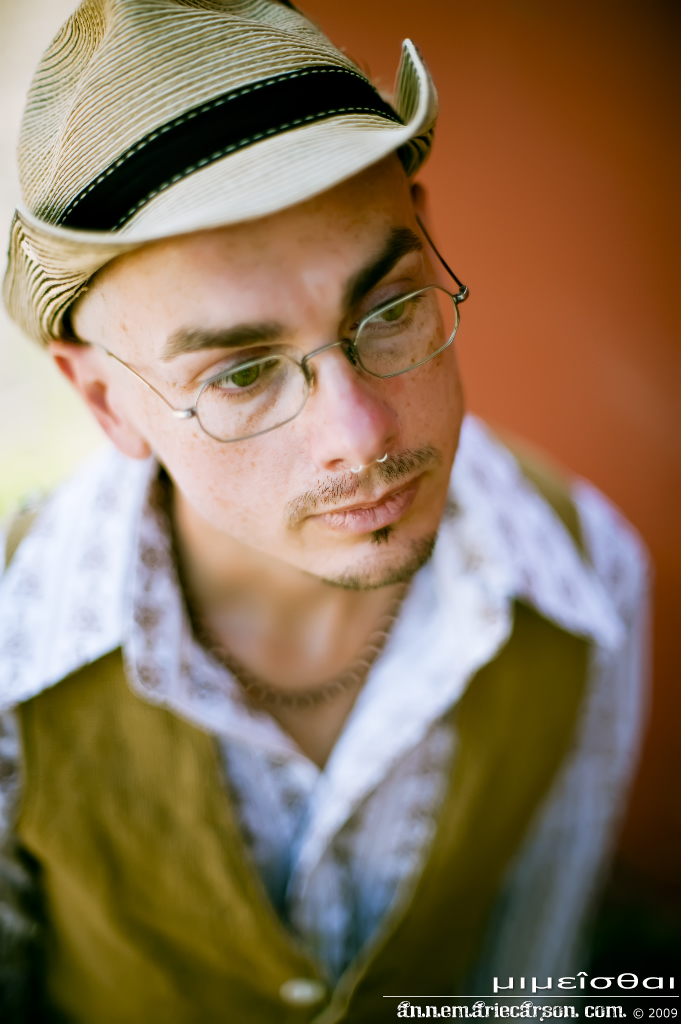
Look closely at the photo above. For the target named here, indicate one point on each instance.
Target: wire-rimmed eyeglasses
(253, 396)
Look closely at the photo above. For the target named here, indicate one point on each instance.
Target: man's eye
(393, 312)
(244, 378)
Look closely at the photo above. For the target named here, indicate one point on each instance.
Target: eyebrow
(400, 242)
(194, 339)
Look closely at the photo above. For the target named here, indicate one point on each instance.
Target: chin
(384, 567)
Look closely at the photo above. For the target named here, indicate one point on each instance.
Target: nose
(350, 422)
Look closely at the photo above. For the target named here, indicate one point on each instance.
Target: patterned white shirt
(338, 848)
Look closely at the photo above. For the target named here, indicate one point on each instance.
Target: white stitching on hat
(219, 101)
(228, 149)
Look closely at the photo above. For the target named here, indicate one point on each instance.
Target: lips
(365, 517)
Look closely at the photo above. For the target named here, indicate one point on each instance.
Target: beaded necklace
(262, 692)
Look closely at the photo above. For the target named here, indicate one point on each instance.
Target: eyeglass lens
(261, 394)
(401, 336)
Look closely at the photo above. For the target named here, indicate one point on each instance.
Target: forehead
(323, 236)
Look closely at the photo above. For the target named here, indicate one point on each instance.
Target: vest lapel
(156, 913)
(514, 725)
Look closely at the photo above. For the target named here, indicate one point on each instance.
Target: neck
(287, 628)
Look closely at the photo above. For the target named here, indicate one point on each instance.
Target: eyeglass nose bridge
(344, 343)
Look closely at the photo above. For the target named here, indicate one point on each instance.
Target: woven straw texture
(122, 74)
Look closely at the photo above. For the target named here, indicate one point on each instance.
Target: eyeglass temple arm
(70, 335)
(180, 414)
(463, 289)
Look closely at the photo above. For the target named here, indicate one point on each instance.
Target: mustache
(328, 493)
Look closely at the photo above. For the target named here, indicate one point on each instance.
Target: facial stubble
(420, 552)
(329, 493)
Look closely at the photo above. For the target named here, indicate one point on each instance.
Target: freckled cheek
(428, 402)
(237, 487)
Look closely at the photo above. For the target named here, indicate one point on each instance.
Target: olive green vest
(155, 914)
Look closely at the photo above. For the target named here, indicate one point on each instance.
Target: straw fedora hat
(151, 118)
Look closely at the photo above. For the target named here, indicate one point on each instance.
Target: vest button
(302, 991)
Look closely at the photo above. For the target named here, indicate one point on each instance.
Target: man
(306, 718)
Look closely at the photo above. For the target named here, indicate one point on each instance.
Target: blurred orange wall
(554, 189)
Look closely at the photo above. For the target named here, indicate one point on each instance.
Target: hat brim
(49, 265)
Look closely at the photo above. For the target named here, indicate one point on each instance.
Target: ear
(86, 368)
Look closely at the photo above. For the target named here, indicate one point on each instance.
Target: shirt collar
(96, 573)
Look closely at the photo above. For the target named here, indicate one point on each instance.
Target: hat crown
(153, 118)
(120, 68)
